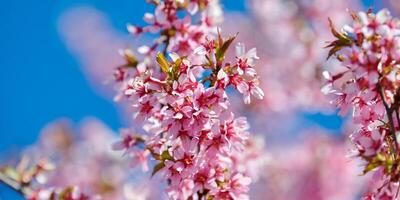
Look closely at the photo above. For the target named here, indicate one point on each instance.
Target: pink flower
(192, 132)
(140, 158)
(369, 87)
(127, 141)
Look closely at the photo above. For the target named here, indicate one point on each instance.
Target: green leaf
(175, 68)
(370, 167)
(166, 156)
(378, 161)
(343, 40)
(222, 49)
(157, 168)
(130, 58)
(333, 51)
(162, 61)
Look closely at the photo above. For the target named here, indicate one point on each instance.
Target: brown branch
(389, 113)
(397, 116)
(396, 105)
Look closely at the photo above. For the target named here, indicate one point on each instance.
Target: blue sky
(41, 81)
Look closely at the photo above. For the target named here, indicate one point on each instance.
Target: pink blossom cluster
(313, 167)
(70, 193)
(82, 166)
(98, 170)
(182, 100)
(179, 34)
(28, 179)
(368, 84)
(290, 35)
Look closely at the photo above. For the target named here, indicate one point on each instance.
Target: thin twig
(389, 113)
(167, 41)
(397, 116)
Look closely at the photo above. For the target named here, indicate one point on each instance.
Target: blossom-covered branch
(27, 180)
(368, 83)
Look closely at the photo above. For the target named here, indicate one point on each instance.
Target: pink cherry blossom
(368, 85)
(192, 134)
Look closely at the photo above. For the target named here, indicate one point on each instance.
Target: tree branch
(167, 41)
(389, 113)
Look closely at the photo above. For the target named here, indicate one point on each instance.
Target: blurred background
(49, 69)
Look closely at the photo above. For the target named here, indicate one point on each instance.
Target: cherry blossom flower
(181, 98)
(368, 85)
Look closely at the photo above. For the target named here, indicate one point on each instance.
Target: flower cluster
(29, 181)
(182, 100)
(314, 167)
(69, 174)
(98, 171)
(69, 193)
(368, 83)
(181, 35)
(289, 34)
